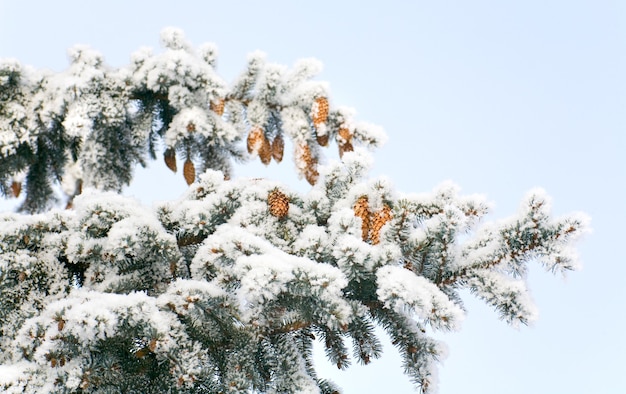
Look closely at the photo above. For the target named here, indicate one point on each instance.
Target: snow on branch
(97, 123)
(227, 288)
(402, 292)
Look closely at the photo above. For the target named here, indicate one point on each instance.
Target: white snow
(402, 291)
(12, 373)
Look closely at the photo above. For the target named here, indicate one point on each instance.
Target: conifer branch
(226, 288)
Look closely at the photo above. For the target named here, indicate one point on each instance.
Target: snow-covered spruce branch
(227, 288)
(91, 124)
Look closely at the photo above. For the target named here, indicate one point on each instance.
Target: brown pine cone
(170, 158)
(278, 148)
(320, 111)
(344, 141)
(217, 106)
(344, 135)
(361, 210)
(255, 139)
(311, 175)
(380, 218)
(16, 188)
(265, 151)
(310, 163)
(322, 139)
(189, 171)
(345, 148)
(278, 203)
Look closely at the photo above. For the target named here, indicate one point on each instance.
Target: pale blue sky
(498, 96)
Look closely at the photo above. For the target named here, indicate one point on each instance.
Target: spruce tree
(227, 288)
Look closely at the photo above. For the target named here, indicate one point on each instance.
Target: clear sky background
(497, 96)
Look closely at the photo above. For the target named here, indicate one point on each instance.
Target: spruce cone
(16, 188)
(170, 159)
(189, 171)
(217, 106)
(278, 203)
(344, 140)
(322, 139)
(361, 210)
(320, 111)
(255, 139)
(344, 134)
(278, 148)
(380, 218)
(265, 150)
(345, 148)
(311, 175)
(310, 163)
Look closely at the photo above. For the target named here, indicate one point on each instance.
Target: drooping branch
(175, 98)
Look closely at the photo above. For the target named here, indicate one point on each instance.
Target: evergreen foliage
(228, 288)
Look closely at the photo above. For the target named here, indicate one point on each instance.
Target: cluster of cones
(258, 143)
(371, 222)
(320, 116)
(189, 169)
